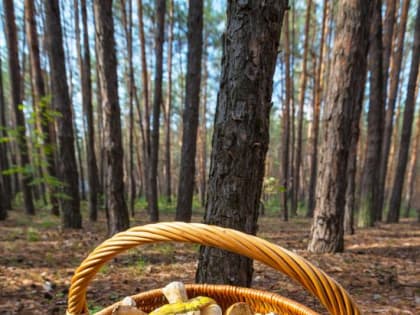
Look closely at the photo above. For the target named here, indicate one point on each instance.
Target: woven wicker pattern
(225, 295)
(329, 292)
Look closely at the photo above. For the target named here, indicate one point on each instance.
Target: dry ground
(380, 266)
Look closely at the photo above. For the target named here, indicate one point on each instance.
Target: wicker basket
(330, 293)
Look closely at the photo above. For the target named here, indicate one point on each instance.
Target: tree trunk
(389, 116)
(168, 188)
(317, 110)
(145, 91)
(388, 32)
(303, 80)
(157, 102)
(241, 132)
(395, 202)
(118, 213)
(375, 123)
(69, 201)
(343, 99)
(190, 118)
(86, 87)
(128, 30)
(286, 120)
(6, 190)
(41, 104)
(351, 183)
(203, 125)
(16, 100)
(411, 178)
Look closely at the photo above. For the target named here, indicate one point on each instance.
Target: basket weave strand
(329, 292)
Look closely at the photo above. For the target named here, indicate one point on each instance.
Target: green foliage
(32, 235)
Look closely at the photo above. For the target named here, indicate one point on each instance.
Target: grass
(32, 235)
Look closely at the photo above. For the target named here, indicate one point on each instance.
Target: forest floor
(380, 266)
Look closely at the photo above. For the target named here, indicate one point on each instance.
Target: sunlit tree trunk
(241, 132)
(70, 202)
(395, 201)
(343, 106)
(392, 97)
(191, 111)
(118, 213)
(16, 101)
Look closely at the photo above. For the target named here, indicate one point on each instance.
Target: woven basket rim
(257, 298)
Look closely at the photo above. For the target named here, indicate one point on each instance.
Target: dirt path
(380, 266)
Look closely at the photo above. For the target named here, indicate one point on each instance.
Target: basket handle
(327, 290)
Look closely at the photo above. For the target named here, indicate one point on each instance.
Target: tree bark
(157, 102)
(351, 183)
(203, 125)
(128, 30)
(317, 111)
(388, 33)
(6, 190)
(15, 83)
(303, 80)
(41, 104)
(346, 86)
(412, 173)
(118, 213)
(375, 123)
(389, 116)
(70, 200)
(395, 201)
(286, 120)
(241, 132)
(191, 110)
(85, 70)
(145, 91)
(168, 111)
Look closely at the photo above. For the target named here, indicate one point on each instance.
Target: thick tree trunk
(317, 111)
(392, 97)
(118, 213)
(70, 201)
(41, 104)
(241, 132)
(370, 172)
(343, 101)
(286, 121)
(168, 111)
(395, 202)
(157, 102)
(6, 182)
(351, 184)
(15, 91)
(191, 110)
(303, 80)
